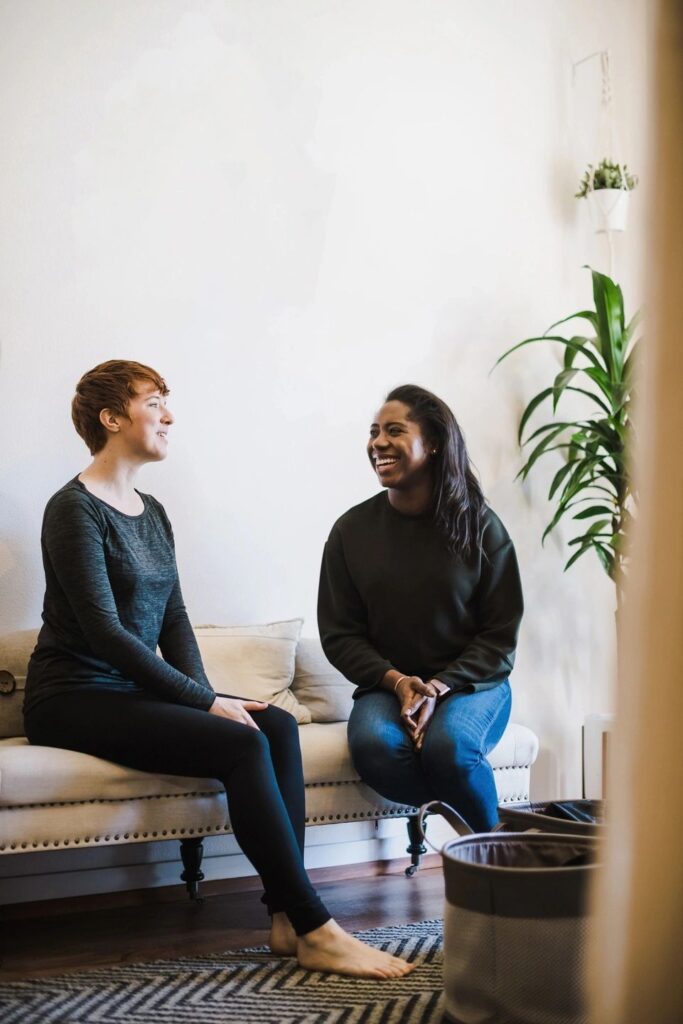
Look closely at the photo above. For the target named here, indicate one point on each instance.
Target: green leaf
(571, 353)
(589, 485)
(549, 426)
(607, 559)
(531, 407)
(559, 512)
(563, 378)
(550, 337)
(585, 314)
(595, 529)
(560, 383)
(576, 443)
(589, 394)
(599, 377)
(577, 555)
(556, 392)
(539, 449)
(564, 506)
(579, 480)
(609, 306)
(558, 478)
(594, 510)
(583, 498)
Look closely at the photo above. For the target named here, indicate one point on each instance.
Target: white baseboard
(27, 877)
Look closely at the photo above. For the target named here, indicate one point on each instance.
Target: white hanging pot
(608, 208)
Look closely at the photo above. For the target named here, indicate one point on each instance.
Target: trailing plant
(606, 175)
(592, 485)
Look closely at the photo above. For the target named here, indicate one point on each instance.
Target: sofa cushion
(326, 692)
(45, 775)
(32, 775)
(254, 661)
(325, 753)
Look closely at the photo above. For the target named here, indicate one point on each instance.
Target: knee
(281, 728)
(254, 744)
(374, 750)
(277, 722)
(446, 755)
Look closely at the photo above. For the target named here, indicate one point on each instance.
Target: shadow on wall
(545, 776)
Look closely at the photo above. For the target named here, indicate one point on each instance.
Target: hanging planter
(607, 188)
(608, 208)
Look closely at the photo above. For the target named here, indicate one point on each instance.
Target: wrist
(392, 678)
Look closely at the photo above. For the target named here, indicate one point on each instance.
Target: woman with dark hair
(419, 605)
(96, 684)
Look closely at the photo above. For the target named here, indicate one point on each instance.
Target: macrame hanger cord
(609, 130)
(608, 134)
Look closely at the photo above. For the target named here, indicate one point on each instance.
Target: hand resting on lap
(237, 710)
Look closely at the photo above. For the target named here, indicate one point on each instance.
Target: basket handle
(457, 823)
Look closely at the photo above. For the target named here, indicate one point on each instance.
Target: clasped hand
(237, 710)
(418, 701)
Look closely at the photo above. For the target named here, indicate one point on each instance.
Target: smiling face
(144, 431)
(399, 453)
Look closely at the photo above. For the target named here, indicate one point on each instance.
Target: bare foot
(282, 938)
(331, 949)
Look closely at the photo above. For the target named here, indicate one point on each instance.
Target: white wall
(288, 207)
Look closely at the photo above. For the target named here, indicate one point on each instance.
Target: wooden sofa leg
(191, 851)
(416, 847)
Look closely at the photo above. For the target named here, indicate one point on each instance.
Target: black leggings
(260, 770)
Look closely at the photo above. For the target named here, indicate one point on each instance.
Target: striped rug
(246, 986)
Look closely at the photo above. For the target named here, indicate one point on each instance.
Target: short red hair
(109, 385)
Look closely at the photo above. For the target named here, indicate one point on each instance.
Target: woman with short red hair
(96, 684)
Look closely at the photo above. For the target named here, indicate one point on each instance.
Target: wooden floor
(103, 931)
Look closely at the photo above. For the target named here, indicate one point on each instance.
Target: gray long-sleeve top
(112, 596)
(392, 596)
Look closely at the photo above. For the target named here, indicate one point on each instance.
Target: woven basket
(515, 924)
(522, 816)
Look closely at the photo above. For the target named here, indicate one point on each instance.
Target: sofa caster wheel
(416, 847)
(191, 851)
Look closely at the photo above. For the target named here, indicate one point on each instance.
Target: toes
(395, 969)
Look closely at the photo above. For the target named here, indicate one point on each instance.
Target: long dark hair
(458, 501)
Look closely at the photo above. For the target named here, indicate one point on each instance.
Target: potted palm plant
(606, 188)
(592, 484)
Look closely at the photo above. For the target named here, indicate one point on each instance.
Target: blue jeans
(452, 764)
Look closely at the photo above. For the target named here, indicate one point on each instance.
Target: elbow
(335, 646)
(329, 645)
(105, 643)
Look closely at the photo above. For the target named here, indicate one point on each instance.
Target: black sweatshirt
(112, 596)
(392, 596)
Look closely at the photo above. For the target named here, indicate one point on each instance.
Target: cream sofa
(53, 799)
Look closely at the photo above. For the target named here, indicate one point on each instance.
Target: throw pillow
(255, 662)
(317, 684)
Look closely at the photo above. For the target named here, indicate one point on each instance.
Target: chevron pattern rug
(245, 986)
